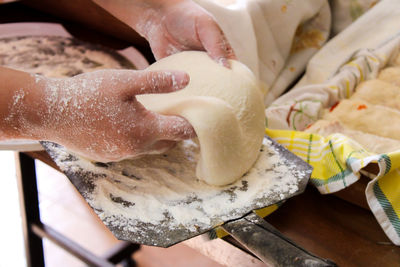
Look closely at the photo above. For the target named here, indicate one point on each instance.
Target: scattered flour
(139, 199)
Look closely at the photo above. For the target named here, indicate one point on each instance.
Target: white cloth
(345, 12)
(274, 38)
(375, 27)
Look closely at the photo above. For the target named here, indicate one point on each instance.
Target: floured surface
(55, 56)
(157, 199)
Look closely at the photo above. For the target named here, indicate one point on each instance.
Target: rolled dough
(225, 108)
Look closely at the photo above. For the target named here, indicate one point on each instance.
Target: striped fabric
(337, 162)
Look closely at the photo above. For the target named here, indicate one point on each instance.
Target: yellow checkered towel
(337, 162)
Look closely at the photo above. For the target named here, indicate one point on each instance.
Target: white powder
(16, 105)
(141, 197)
(55, 56)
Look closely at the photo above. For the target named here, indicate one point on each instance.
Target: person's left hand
(185, 26)
(97, 115)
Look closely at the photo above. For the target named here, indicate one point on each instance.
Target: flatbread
(390, 75)
(379, 92)
(362, 116)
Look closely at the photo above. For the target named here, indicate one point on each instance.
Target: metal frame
(34, 230)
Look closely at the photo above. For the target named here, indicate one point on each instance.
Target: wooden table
(335, 229)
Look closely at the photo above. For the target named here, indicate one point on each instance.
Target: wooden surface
(44, 157)
(335, 229)
(355, 193)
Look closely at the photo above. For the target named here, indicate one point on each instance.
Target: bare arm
(95, 114)
(18, 94)
(171, 26)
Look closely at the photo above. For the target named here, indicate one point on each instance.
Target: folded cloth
(333, 74)
(274, 38)
(345, 12)
(377, 25)
(277, 38)
(338, 161)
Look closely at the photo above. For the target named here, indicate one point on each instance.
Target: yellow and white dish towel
(337, 162)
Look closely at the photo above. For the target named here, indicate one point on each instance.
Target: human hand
(97, 115)
(172, 26)
(184, 26)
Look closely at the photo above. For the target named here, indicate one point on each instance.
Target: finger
(153, 82)
(164, 49)
(158, 49)
(173, 128)
(214, 41)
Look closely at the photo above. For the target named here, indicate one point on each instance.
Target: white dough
(225, 108)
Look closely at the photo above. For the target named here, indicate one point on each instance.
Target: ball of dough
(225, 108)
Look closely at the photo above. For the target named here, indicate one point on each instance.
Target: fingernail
(179, 80)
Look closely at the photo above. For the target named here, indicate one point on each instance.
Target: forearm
(19, 109)
(135, 12)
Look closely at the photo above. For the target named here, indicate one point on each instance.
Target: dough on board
(225, 108)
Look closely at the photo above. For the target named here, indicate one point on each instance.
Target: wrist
(141, 15)
(19, 105)
(36, 109)
(31, 109)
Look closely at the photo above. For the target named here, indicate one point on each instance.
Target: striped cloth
(338, 161)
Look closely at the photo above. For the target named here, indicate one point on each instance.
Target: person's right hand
(181, 26)
(171, 26)
(97, 115)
